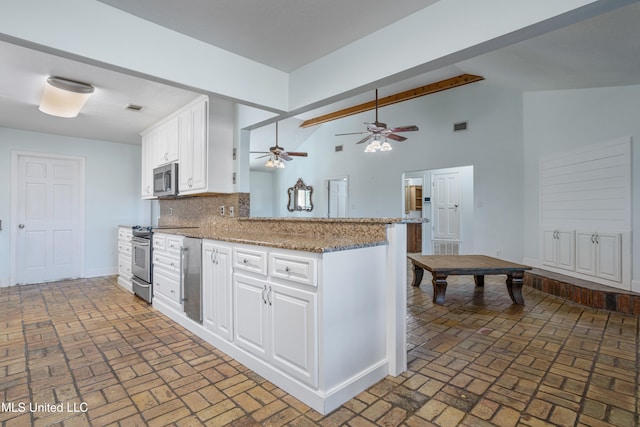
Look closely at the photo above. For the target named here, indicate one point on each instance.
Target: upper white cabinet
(599, 254)
(559, 248)
(165, 148)
(199, 137)
(147, 165)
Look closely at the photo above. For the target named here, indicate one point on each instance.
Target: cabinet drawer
(168, 263)
(294, 268)
(125, 234)
(250, 260)
(159, 242)
(124, 265)
(124, 248)
(167, 286)
(174, 243)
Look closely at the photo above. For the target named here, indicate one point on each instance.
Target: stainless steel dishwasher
(191, 280)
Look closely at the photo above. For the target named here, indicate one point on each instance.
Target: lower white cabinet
(317, 325)
(559, 248)
(167, 269)
(217, 290)
(599, 254)
(278, 323)
(124, 257)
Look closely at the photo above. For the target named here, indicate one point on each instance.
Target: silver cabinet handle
(245, 261)
(269, 293)
(287, 269)
(597, 240)
(21, 226)
(263, 291)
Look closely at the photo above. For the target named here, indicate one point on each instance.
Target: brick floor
(88, 353)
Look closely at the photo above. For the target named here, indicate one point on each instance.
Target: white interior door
(49, 222)
(445, 200)
(337, 198)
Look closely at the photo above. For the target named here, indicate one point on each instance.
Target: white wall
(492, 145)
(557, 121)
(112, 193)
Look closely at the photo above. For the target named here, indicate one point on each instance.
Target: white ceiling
(602, 51)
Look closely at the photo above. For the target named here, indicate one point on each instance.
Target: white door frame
(327, 182)
(15, 155)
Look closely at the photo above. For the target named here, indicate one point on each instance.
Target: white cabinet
(199, 137)
(559, 248)
(165, 147)
(147, 165)
(193, 149)
(275, 318)
(599, 254)
(124, 256)
(217, 291)
(167, 269)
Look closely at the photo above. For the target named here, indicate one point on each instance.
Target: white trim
(81, 161)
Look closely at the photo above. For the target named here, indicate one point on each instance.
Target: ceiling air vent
(133, 107)
(459, 126)
(338, 148)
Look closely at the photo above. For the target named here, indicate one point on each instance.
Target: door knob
(20, 225)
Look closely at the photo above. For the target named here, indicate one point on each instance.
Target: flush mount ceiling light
(63, 97)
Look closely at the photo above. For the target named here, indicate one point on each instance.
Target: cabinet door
(217, 290)
(166, 147)
(549, 247)
(585, 252)
(608, 256)
(185, 147)
(193, 149)
(250, 315)
(147, 166)
(293, 332)
(200, 153)
(565, 251)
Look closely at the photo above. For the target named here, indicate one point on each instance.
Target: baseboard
(635, 286)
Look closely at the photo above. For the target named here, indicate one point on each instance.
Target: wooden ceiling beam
(449, 83)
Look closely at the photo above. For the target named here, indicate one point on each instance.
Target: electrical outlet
(222, 210)
(232, 211)
(170, 211)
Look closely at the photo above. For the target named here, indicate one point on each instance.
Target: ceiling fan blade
(284, 155)
(364, 139)
(351, 133)
(266, 155)
(259, 152)
(404, 128)
(396, 137)
(297, 154)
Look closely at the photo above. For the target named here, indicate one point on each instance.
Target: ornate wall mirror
(300, 197)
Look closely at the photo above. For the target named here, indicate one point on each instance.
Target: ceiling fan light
(370, 148)
(270, 163)
(64, 98)
(386, 146)
(280, 164)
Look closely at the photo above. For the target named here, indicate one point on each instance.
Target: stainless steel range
(141, 265)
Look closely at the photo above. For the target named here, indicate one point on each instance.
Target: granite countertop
(306, 243)
(292, 233)
(339, 220)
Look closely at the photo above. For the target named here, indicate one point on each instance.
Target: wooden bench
(478, 266)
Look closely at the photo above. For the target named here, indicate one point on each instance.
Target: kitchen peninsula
(316, 306)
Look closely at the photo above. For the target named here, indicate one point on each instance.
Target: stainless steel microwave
(165, 180)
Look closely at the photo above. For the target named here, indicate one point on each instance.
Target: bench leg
(417, 275)
(439, 281)
(514, 286)
(479, 280)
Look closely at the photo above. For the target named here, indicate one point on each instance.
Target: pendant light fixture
(64, 98)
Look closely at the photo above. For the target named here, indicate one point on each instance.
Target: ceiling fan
(378, 133)
(276, 154)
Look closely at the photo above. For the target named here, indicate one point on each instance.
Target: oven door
(141, 259)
